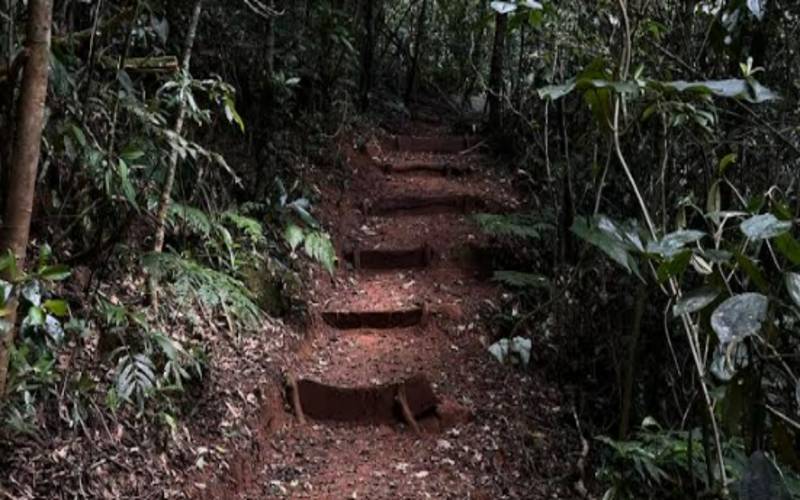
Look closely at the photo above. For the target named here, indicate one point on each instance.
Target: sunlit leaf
(58, 308)
(739, 316)
(764, 226)
(503, 7)
(56, 272)
(294, 235)
(695, 301)
(32, 292)
(793, 286)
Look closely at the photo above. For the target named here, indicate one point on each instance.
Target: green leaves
(764, 226)
(516, 225)
(516, 279)
(135, 377)
(695, 301)
(674, 243)
(749, 89)
(57, 272)
(612, 239)
(792, 281)
(319, 247)
(294, 235)
(506, 7)
(739, 316)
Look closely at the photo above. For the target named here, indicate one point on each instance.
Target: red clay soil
(488, 431)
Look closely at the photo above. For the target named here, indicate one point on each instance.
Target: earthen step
(420, 257)
(378, 320)
(375, 405)
(425, 166)
(424, 205)
(447, 144)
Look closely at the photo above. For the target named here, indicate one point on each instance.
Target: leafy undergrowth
(110, 397)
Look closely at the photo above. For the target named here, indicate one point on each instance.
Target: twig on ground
(580, 487)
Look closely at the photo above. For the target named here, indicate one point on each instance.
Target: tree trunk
(496, 72)
(270, 52)
(166, 193)
(367, 53)
(7, 102)
(27, 148)
(411, 83)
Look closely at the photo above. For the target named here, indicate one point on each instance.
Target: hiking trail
(394, 394)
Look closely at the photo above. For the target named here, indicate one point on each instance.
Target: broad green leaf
(58, 308)
(674, 242)
(555, 92)
(764, 226)
(793, 286)
(756, 8)
(728, 359)
(739, 316)
(726, 162)
(53, 328)
(56, 272)
(695, 301)
(612, 245)
(32, 292)
(674, 266)
(8, 265)
(749, 90)
(789, 247)
(503, 7)
(35, 317)
(231, 113)
(714, 202)
(131, 153)
(752, 270)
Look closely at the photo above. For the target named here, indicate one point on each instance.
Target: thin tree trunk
(367, 53)
(496, 72)
(630, 364)
(270, 53)
(164, 202)
(22, 176)
(411, 83)
(7, 105)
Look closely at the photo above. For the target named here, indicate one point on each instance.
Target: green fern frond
(516, 279)
(189, 280)
(248, 226)
(516, 225)
(319, 247)
(193, 218)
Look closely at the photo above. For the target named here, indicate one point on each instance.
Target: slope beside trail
(400, 397)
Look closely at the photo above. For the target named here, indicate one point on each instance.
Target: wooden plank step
(446, 144)
(426, 166)
(375, 404)
(420, 257)
(377, 320)
(424, 205)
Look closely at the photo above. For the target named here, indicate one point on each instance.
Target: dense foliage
(656, 264)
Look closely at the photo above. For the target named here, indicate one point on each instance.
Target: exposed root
(408, 415)
(294, 396)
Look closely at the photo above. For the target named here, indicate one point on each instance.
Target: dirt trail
(401, 397)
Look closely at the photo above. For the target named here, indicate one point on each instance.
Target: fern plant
(189, 280)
